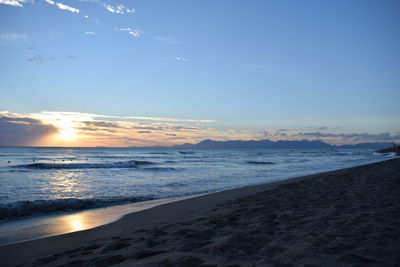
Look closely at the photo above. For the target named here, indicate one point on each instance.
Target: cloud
(134, 33)
(86, 16)
(181, 59)
(87, 129)
(23, 131)
(71, 57)
(104, 124)
(274, 135)
(13, 2)
(167, 119)
(63, 6)
(90, 33)
(10, 37)
(40, 59)
(385, 136)
(81, 116)
(66, 7)
(118, 9)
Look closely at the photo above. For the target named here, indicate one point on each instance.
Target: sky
(156, 72)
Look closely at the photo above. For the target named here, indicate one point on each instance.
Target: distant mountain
(376, 145)
(303, 144)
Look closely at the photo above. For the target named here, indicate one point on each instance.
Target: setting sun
(67, 134)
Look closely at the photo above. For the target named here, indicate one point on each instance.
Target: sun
(67, 130)
(67, 134)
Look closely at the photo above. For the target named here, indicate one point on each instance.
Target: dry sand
(348, 217)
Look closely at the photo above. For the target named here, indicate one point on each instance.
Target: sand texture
(348, 217)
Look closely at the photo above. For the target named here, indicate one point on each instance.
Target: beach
(348, 217)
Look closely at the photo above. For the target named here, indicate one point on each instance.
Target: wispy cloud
(118, 9)
(181, 59)
(385, 136)
(9, 37)
(134, 33)
(63, 6)
(157, 119)
(17, 3)
(90, 33)
(40, 59)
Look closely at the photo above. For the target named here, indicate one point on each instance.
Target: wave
(41, 207)
(186, 152)
(110, 157)
(120, 164)
(260, 162)
(159, 169)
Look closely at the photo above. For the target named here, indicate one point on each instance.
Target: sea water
(36, 180)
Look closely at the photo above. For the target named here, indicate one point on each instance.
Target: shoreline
(177, 215)
(42, 226)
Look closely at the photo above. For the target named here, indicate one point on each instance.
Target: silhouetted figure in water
(9, 162)
(33, 160)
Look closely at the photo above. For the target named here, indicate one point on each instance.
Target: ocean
(36, 180)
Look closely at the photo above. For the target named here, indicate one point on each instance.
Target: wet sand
(349, 217)
(56, 224)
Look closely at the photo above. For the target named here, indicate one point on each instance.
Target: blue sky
(252, 67)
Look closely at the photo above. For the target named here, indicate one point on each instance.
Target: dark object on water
(260, 162)
(388, 150)
(186, 152)
(9, 162)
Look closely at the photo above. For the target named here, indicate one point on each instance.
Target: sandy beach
(348, 217)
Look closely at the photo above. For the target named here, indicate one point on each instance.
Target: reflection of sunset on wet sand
(50, 225)
(77, 223)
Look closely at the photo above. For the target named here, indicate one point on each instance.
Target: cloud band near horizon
(51, 128)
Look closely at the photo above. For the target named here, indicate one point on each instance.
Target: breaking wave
(40, 207)
(120, 164)
(260, 162)
(159, 169)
